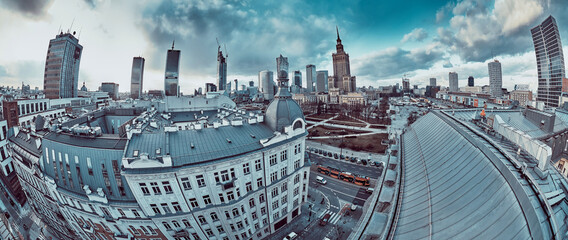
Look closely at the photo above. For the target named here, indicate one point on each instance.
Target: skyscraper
(549, 60)
(453, 76)
(298, 78)
(321, 83)
(495, 79)
(311, 76)
(171, 82)
(433, 82)
(221, 70)
(61, 78)
(405, 85)
(265, 84)
(470, 82)
(137, 77)
(111, 88)
(341, 69)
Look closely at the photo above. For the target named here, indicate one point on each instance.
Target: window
(246, 169)
(144, 189)
(305, 175)
(186, 223)
(155, 208)
(251, 202)
(258, 164)
(284, 187)
(155, 188)
(122, 214)
(249, 186)
(230, 196)
(265, 221)
(176, 224)
(135, 212)
(167, 225)
(275, 205)
(221, 198)
(273, 176)
(152, 230)
(167, 187)
(296, 191)
(185, 183)
(272, 159)
(263, 211)
(232, 227)
(227, 215)
(193, 202)
(166, 208)
(275, 192)
(276, 215)
(220, 229)
(207, 199)
(235, 212)
(254, 217)
(261, 198)
(176, 206)
(295, 202)
(214, 216)
(284, 199)
(297, 164)
(298, 148)
(200, 181)
(297, 179)
(284, 155)
(238, 192)
(259, 182)
(283, 172)
(240, 225)
(202, 219)
(209, 232)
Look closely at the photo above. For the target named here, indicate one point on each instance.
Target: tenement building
(176, 168)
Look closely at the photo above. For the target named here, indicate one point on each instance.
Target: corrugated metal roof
(208, 143)
(452, 190)
(106, 142)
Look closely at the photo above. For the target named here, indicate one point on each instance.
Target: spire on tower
(337, 29)
(173, 43)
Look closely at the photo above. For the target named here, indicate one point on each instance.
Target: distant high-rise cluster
(311, 76)
(171, 81)
(61, 78)
(495, 79)
(341, 78)
(137, 77)
(453, 76)
(549, 60)
(321, 83)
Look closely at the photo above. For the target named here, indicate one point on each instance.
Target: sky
(386, 40)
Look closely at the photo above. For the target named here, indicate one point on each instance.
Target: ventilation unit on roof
(228, 140)
(252, 136)
(191, 145)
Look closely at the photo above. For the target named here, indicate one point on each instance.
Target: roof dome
(282, 112)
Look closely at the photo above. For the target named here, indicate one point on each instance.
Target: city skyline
(440, 37)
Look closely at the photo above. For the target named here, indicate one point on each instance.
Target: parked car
(321, 180)
(370, 190)
(325, 219)
(353, 207)
(335, 156)
(353, 160)
(291, 236)
(329, 154)
(364, 162)
(343, 157)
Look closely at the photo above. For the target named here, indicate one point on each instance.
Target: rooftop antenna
(71, 25)
(59, 30)
(226, 53)
(218, 45)
(80, 29)
(173, 43)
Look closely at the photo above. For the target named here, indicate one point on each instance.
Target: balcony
(181, 233)
(123, 236)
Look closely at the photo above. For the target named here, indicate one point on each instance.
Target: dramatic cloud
(479, 30)
(253, 38)
(35, 9)
(394, 62)
(418, 34)
(447, 64)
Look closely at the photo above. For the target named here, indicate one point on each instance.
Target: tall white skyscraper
(61, 77)
(453, 76)
(266, 84)
(221, 70)
(495, 79)
(550, 61)
(321, 83)
(311, 76)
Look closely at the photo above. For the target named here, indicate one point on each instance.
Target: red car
(325, 219)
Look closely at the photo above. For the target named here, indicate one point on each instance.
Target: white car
(291, 236)
(321, 180)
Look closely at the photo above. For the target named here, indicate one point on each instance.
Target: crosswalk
(334, 215)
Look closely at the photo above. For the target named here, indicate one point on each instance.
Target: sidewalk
(375, 157)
